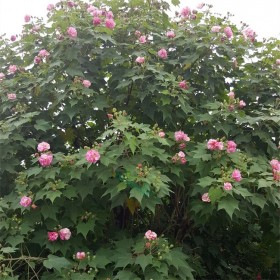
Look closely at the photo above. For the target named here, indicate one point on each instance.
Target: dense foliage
(135, 145)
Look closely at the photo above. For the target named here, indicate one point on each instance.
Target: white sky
(262, 15)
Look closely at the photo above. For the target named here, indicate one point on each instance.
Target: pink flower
(109, 23)
(185, 12)
(43, 147)
(150, 235)
(250, 34)
(182, 146)
(43, 53)
(50, 7)
(96, 12)
(275, 164)
(170, 34)
(231, 146)
(96, 21)
(72, 32)
(142, 39)
(90, 8)
(205, 197)
(213, 144)
(200, 5)
(92, 156)
(137, 33)
(70, 4)
(2, 76)
(37, 60)
(161, 134)
(45, 159)
(181, 136)
(276, 175)
(277, 61)
(236, 175)
(13, 38)
(227, 186)
(109, 14)
(65, 234)
(183, 84)
(80, 255)
(25, 201)
(27, 18)
(12, 69)
(86, 83)
(181, 154)
(183, 160)
(162, 53)
(228, 32)
(140, 59)
(11, 96)
(52, 235)
(231, 95)
(242, 104)
(216, 29)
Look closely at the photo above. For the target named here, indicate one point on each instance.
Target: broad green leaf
(57, 263)
(229, 204)
(144, 261)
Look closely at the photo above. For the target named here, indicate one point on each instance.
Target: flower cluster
(233, 102)
(250, 34)
(214, 144)
(227, 31)
(180, 157)
(180, 136)
(275, 165)
(43, 54)
(45, 159)
(63, 234)
(102, 16)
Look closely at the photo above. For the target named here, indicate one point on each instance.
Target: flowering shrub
(135, 145)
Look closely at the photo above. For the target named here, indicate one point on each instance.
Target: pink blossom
(70, 4)
(162, 53)
(45, 159)
(43, 53)
(37, 60)
(277, 61)
(181, 136)
(150, 235)
(109, 14)
(50, 7)
(109, 22)
(200, 5)
(13, 38)
(140, 59)
(242, 104)
(276, 175)
(137, 33)
(231, 146)
(213, 144)
(96, 21)
(185, 12)
(216, 29)
(181, 154)
(182, 146)
(43, 147)
(12, 69)
(90, 8)
(86, 83)
(183, 84)
(231, 95)
(52, 235)
(227, 186)
(250, 34)
(275, 164)
(92, 156)
(80, 255)
(236, 175)
(161, 134)
(142, 39)
(72, 32)
(205, 197)
(96, 12)
(25, 201)
(2, 76)
(183, 160)
(27, 18)
(65, 234)
(228, 32)
(11, 96)
(170, 34)
(231, 107)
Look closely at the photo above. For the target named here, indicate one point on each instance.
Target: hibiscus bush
(138, 144)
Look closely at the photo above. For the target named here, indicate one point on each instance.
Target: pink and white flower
(185, 12)
(231, 95)
(96, 21)
(45, 159)
(50, 7)
(25, 201)
(231, 146)
(181, 136)
(2, 76)
(216, 29)
(236, 175)
(277, 61)
(205, 197)
(64, 234)
(43, 147)
(12, 69)
(52, 235)
(170, 34)
(86, 83)
(109, 14)
(27, 18)
(181, 154)
(242, 104)
(183, 84)
(13, 38)
(92, 156)
(250, 34)
(161, 134)
(11, 96)
(227, 186)
(43, 53)
(72, 32)
(109, 23)
(150, 235)
(142, 39)
(275, 164)
(228, 32)
(80, 255)
(140, 59)
(162, 53)
(214, 144)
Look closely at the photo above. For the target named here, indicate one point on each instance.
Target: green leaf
(229, 204)
(8, 250)
(42, 125)
(54, 262)
(34, 171)
(258, 200)
(137, 193)
(215, 193)
(242, 191)
(124, 260)
(127, 275)
(52, 195)
(144, 261)
(84, 228)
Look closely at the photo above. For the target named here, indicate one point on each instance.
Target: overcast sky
(262, 15)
